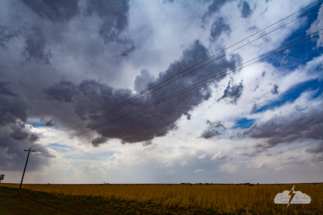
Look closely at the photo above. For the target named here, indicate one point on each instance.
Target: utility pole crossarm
(23, 174)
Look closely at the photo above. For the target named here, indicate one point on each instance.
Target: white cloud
(184, 163)
(316, 26)
(201, 157)
(220, 156)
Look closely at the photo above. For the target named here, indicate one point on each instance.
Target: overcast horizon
(63, 63)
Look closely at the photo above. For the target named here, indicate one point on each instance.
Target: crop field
(231, 199)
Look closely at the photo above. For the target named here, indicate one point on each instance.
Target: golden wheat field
(224, 198)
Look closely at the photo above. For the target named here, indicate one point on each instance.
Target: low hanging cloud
(92, 97)
(233, 92)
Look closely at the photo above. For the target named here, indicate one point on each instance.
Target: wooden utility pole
(23, 174)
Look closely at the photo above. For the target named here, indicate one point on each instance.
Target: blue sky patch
(300, 54)
(36, 123)
(294, 92)
(244, 123)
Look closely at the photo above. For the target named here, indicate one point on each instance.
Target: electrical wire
(128, 101)
(199, 84)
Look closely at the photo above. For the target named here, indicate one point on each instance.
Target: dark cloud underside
(286, 129)
(93, 97)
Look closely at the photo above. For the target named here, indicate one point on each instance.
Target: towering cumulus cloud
(93, 97)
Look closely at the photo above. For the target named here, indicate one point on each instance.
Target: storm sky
(111, 91)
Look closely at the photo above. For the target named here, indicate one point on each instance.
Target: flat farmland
(178, 198)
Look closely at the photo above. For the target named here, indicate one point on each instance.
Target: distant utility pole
(23, 174)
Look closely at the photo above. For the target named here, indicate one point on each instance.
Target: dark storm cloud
(64, 91)
(315, 149)
(19, 135)
(57, 39)
(13, 105)
(245, 9)
(35, 48)
(6, 34)
(233, 92)
(212, 130)
(93, 97)
(142, 80)
(218, 27)
(54, 10)
(99, 140)
(274, 90)
(286, 129)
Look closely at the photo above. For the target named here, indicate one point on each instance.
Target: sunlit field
(257, 199)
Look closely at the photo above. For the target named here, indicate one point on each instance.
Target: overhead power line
(217, 76)
(151, 89)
